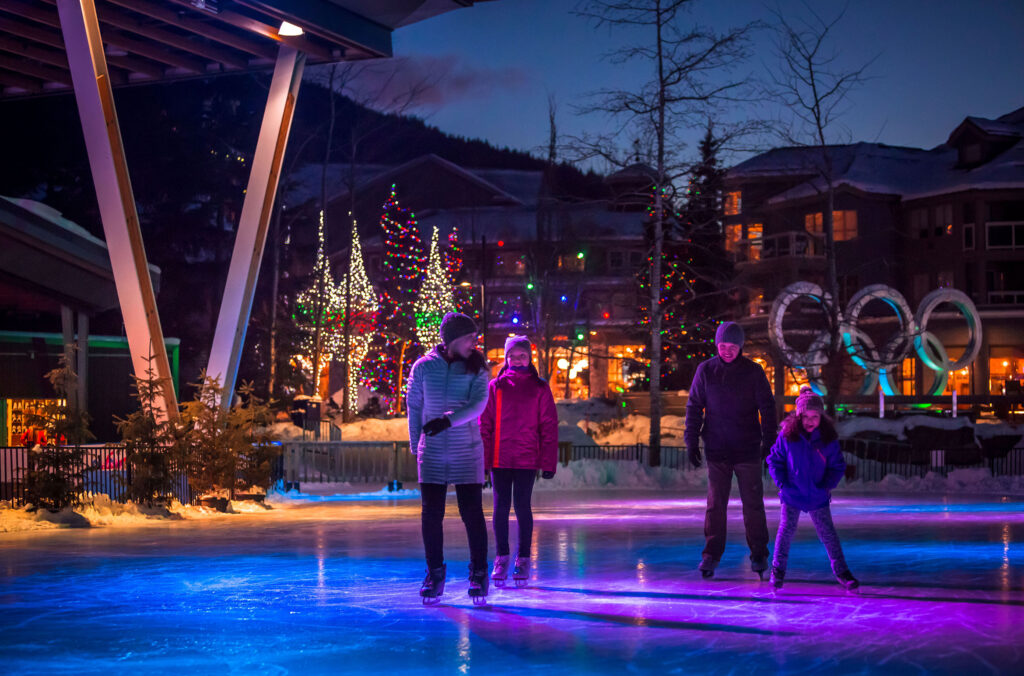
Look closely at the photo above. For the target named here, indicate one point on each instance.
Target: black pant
(513, 486)
(749, 477)
(471, 509)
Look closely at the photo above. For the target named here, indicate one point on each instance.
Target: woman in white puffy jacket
(447, 392)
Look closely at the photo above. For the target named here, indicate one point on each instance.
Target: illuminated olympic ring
(879, 364)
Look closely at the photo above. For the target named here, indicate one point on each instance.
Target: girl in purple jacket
(806, 464)
(519, 428)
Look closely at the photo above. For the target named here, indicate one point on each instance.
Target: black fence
(103, 470)
(873, 459)
(344, 461)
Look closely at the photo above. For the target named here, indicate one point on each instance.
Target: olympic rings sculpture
(878, 363)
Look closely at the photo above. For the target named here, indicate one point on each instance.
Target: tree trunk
(656, 315)
(275, 271)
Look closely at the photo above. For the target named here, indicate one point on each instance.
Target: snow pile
(621, 474)
(286, 431)
(959, 481)
(102, 511)
(988, 429)
(897, 427)
(850, 427)
(636, 429)
(375, 429)
(593, 411)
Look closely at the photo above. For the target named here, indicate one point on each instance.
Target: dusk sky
(937, 62)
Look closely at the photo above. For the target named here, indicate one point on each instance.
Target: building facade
(561, 271)
(913, 219)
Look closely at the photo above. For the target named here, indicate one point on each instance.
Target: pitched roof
(910, 173)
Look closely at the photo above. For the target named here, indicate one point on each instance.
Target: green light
(529, 287)
(579, 255)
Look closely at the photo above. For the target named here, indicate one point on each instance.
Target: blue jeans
(822, 520)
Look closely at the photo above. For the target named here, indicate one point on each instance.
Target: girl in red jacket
(519, 427)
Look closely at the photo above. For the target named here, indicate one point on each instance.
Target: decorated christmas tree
(360, 303)
(395, 345)
(462, 289)
(319, 312)
(435, 297)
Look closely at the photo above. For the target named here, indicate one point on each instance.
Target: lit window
(732, 236)
(733, 203)
(844, 224)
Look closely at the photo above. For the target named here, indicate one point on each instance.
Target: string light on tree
(435, 296)
(363, 306)
(395, 345)
(318, 310)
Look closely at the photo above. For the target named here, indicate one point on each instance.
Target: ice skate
(759, 566)
(500, 573)
(776, 578)
(707, 568)
(848, 581)
(433, 585)
(478, 585)
(521, 572)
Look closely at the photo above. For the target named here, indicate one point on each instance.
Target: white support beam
(247, 255)
(91, 81)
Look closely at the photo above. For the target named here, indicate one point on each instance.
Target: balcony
(787, 244)
(1006, 298)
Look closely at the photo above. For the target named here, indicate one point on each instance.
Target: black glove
(547, 474)
(693, 455)
(434, 427)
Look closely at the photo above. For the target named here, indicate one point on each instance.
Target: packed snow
(102, 511)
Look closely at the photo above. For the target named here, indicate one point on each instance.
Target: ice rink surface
(332, 587)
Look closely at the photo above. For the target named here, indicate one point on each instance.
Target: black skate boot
(776, 578)
(478, 582)
(848, 581)
(433, 585)
(707, 568)
(759, 566)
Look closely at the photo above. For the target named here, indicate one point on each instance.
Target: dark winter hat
(809, 401)
(455, 325)
(730, 332)
(520, 342)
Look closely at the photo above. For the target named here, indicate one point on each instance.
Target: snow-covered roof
(588, 221)
(995, 127)
(303, 184)
(523, 185)
(507, 185)
(910, 173)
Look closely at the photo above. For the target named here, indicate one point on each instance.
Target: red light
(501, 242)
(606, 315)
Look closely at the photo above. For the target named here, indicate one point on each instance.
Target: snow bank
(959, 481)
(897, 427)
(636, 429)
(619, 474)
(102, 511)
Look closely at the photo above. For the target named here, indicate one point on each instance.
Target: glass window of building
(733, 203)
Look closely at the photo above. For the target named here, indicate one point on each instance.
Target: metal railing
(351, 461)
(102, 470)
(105, 470)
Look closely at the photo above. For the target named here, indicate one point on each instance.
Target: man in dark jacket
(732, 408)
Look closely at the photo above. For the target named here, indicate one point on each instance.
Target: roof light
(289, 30)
